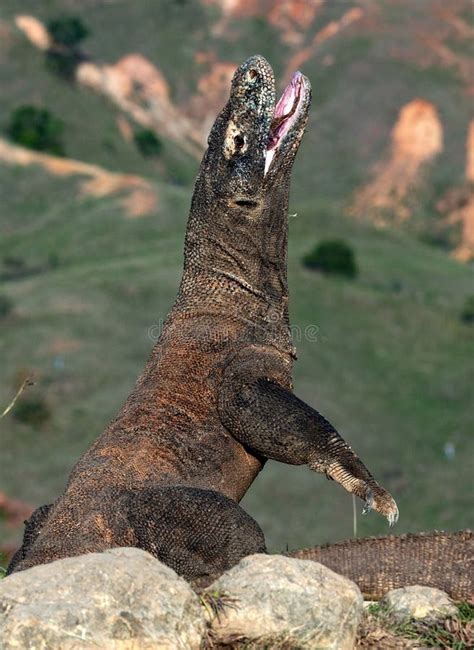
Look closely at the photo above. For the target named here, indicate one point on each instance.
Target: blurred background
(104, 113)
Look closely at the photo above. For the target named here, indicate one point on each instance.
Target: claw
(369, 502)
(393, 517)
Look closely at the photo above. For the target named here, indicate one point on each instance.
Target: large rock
(419, 602)
(121, 599)
(275, 600)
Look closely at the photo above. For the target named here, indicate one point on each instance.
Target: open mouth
(285, 115)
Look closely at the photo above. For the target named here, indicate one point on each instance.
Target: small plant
(62, 63)
(332, 256)
(147, 143)
(24, 384)
(32, 410)
(467, 314)
(452, 632)
(64, 54)
(215, 603)
(67, 31)
(36, 128)
(6, 306)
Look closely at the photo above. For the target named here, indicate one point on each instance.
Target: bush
(467, 314)
(64, 55)
(332, 256)
(68, 31)
(6, 306)
(147, 142)
(62, 63)
(32, 410)
(36, 128)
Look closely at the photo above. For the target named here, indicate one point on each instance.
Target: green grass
(391, 370)
(451, 632)
(391, 363)
(356, 97)
(390, 366)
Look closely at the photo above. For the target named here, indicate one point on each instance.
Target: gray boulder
(276, 601)
(120, 599)
(419, 602)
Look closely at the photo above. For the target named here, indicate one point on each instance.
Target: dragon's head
(241, 193)
(254, 140)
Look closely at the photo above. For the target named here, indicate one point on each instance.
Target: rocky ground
(124, 598)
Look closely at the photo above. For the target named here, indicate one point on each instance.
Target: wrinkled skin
(215, 398)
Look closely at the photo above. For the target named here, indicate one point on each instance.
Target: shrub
(32, 410)
(467, 314)
(147, 142)
(36, 128)
(68, 31)
(332, 256)
(6, 306)
(64, 55)
(62, 63)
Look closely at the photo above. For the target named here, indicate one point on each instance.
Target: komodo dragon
(215, 399)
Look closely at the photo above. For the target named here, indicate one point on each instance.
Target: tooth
(268, 159)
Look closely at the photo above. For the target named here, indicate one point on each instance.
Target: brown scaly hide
(378, 564)
(169, 433)
(215, 399)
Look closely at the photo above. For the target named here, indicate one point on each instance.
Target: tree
(36, 128)
(147, 142)
(332, 256)
(68, 31)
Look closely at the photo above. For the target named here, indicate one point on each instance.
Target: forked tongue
(284, 116)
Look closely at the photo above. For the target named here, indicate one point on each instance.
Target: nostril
(239, 141)
(246, 203)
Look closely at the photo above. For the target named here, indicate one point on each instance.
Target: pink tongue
(284, 109)
(286, 101)
(283, 116)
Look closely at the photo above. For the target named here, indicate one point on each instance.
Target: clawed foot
(383, 503)
(355, 478)
(369, 502)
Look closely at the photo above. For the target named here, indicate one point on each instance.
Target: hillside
(386, 357)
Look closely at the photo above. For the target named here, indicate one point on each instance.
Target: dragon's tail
(378, 564)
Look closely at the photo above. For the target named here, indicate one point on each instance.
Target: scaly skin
(378, 564)
(215, 398)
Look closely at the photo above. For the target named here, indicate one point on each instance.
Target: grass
(390, 367)
(356, 97)
(379, 628)
(379, 625)
(391, 371)
(385, 357)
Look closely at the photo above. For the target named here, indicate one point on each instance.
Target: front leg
(270, 420)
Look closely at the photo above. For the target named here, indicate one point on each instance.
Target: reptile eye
(252, 74)
(239, 141)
